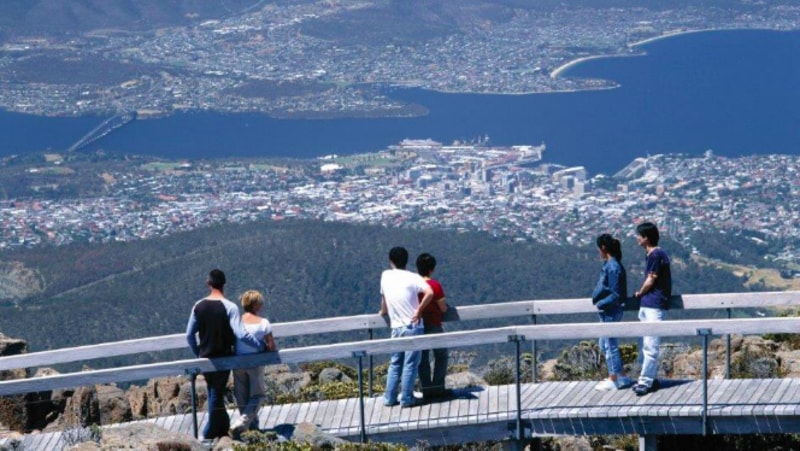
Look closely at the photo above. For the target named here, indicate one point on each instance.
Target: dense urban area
(315, 59)
(311, 59)
(505, 191)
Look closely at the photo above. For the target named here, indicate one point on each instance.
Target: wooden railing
(361, 349)
(390, 345)
(527, 310)
(521, 309)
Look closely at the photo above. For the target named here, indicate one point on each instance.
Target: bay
(735, 92)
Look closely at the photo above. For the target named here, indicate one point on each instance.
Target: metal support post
(535, 360)
(370, 367)
(705, 333)
(517, 339)
(360, 356)
(192, 373)
(728, 351)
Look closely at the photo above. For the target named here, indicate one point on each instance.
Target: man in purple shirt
(654, 296)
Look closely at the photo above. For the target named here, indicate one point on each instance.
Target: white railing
(361, 349)
(527, 310)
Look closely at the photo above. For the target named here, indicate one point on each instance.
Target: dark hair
(610, 245)
(650, 231)
(399, 256)
(425, 264)
(216, 279)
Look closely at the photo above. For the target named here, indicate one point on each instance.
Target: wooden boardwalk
(736, 406)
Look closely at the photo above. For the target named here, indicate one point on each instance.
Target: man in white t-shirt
(400, 291)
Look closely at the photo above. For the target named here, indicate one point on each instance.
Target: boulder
(547, 370)
(82, 408)
(329, 375)
(313, 435)
(146, 436)
(280, 380)
(13, 409)
(113, 404)
(573, 444)
(165, 396)
(464, 379)
(45, 407)
(223, 444)
(789, 363)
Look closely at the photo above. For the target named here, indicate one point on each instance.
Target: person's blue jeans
(218, 421)
(433, 385)
(403, 369)
(610, 345)
(649, 346)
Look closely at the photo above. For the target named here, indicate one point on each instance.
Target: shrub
(629, 353)
(502, 371)
(74, 435)
(749, 364)
(580, 362)
(790, 340)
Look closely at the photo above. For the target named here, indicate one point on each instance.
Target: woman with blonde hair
(248, 383)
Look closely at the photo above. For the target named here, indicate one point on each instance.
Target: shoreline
(633, 45)
(557, 71)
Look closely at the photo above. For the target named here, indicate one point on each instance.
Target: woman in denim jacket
(609, 297)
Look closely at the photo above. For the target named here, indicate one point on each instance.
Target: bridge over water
(107, 126)
(518, 410)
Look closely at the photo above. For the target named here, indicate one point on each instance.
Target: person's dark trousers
(218, 421)
(433, 384)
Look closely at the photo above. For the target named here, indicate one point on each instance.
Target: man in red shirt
(432, 384)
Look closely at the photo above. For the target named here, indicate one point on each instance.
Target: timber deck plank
(765, 406)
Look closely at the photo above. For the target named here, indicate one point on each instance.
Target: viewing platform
(518, 411)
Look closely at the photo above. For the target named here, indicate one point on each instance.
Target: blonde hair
(251, 300)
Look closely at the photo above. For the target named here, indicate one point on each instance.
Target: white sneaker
(606, 385)
(619, 384)
(240, 425)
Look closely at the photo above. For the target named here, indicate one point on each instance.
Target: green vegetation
(106, 292)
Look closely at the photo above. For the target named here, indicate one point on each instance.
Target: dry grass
(771, 278)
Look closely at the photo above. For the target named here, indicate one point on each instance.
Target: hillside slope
(94, 293)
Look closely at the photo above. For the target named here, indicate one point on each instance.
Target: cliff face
(18, 281)
(13, 409)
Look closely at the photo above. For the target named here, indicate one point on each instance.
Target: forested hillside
(95, 293)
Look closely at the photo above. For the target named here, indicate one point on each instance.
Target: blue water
(736, 92)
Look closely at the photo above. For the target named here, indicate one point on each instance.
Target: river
(736, 92)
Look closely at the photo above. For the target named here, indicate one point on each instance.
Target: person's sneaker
(642, 389)
(623, 382)
(240, 425)
(618, 384)
(606, 385)
(416, 402)
(436, 395)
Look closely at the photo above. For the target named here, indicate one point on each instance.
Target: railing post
(360, 356)
(193, 372)
(517, 339)
(705, 333)
(370, 367)
(535, 359)
(728, 351)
